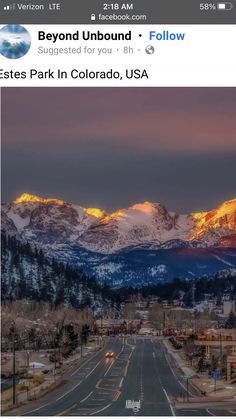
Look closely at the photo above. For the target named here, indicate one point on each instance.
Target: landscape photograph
(118, 251)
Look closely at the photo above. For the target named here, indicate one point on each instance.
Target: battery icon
(225, 6)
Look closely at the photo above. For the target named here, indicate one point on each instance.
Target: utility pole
(221, 355)
(13, 366)
(164, 323)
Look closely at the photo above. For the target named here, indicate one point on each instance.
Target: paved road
(78, 381)
(141, 372)
(152, 380)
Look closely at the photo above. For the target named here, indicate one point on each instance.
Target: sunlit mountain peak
(139, 224)
(199, 215)
(116, 214)
(95, 212)
(147, 207)
(25, 197)
(137, 210)
(222, 217)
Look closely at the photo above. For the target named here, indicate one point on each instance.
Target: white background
(205, 58)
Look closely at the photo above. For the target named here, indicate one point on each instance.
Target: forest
(28, 274)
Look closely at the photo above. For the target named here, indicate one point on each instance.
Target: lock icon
(93, 17)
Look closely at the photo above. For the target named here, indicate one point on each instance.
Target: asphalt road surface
(139, 381)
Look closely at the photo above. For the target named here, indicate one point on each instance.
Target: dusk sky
(113, 147)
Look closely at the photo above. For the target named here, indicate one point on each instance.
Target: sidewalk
(204, 384)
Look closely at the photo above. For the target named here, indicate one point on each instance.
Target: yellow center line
(66, 411)
(98, 383)
(117, 395)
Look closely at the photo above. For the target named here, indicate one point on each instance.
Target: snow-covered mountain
(142, 244)
(53, 223)
(27, 274)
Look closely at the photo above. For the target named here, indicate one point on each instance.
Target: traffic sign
(215, 375)
(187, 376)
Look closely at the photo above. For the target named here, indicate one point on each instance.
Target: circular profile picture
(14, 41)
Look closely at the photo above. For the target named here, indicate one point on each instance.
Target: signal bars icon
(9, 7)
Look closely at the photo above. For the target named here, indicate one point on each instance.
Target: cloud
(163, 119)
(110, 147)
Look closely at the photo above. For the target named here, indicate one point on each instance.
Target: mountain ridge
(142, 244)
(50, 219)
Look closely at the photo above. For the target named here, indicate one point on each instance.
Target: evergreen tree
(72, 336)
(84, 334)
(231, 321)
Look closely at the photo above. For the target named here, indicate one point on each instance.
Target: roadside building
(223, 343)
(228, 307)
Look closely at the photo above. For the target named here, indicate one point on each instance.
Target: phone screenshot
(118, 215)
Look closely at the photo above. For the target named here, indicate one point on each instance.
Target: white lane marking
(153, 354)
(210, 413)
(182, 385)
(86, 376)
(101, 410)
(164, 390)
(35, 410)
(86, 397)
(108, 368)
(130, 344)
(69, 391)
(121, 382)
(119, 367)
(168, 399)
(85, 363)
